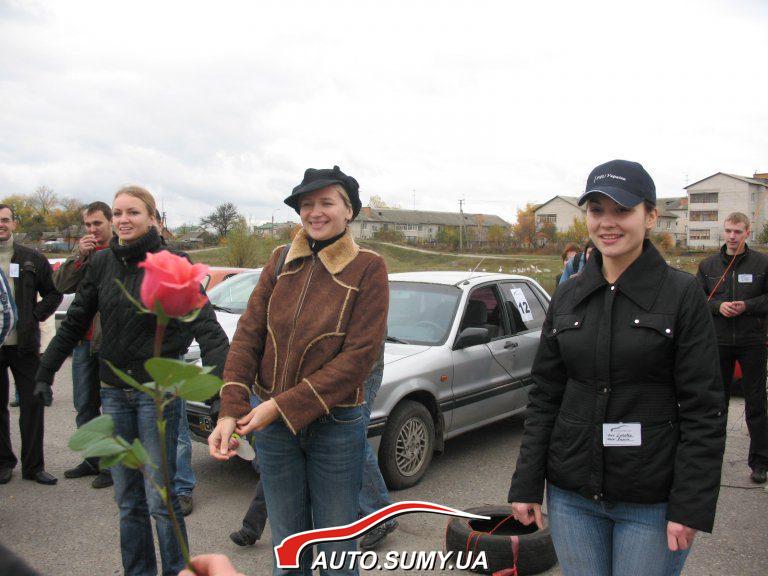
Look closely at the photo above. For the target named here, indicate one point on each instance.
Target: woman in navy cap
(626, 423)
(310, 335)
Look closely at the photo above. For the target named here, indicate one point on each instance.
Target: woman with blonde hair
(127, 343)
(308, 339)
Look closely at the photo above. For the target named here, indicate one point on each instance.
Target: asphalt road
(73, 529)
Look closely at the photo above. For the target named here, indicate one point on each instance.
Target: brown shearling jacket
(309, 339)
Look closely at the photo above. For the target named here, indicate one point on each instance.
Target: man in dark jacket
(30, 275)
(97, 218)
(739, 305)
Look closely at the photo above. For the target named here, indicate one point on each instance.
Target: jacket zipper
(293, 327)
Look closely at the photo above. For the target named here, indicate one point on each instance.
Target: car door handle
(510, 344)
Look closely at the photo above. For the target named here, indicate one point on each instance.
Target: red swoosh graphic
(288, 551)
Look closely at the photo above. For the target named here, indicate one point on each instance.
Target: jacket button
(637, 321)
(613, 288)
(596, 497)
(605, 390)
(554, 330)
(668, 331)
(576, 323)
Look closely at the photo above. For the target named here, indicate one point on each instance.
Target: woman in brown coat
(305, 344)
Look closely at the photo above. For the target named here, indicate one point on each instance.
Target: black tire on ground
(407, 445)
(536, 552)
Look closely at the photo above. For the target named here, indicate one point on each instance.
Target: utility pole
(461, 224)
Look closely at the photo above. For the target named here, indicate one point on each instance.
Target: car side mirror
(472, 337)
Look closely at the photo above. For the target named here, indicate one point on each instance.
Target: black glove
(43, 393)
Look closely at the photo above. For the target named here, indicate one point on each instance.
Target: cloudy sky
(499, 102)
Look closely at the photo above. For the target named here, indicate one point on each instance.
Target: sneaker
(186, 504)
(82, 469)
(375, 536)
(759, 475)
(243, 538)
(103, 480)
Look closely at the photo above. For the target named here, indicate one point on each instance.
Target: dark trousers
(753, 367)
(23, 367)
(256, 517)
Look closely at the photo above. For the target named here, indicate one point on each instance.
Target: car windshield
(421, 313)
(232, 294)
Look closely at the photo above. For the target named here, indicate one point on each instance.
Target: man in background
(30, 275)
(86, 387)
(739, 306)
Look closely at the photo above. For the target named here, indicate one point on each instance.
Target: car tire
(406, 445)
(536, 553)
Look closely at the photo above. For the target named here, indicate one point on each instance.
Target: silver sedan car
(458, 356)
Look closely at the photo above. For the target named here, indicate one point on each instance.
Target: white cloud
(497, 102)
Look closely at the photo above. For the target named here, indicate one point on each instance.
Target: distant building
(423, 225)
(195, 238)
(711, 199)
(273, 228)
(560, 211)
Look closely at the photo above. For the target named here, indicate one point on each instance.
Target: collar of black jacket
(640, 282)
(137, 251)
(727, 257)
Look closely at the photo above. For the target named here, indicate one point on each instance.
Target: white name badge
(13, 270)
(745, 278)
(622, 434)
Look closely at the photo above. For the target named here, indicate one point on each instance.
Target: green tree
(389, 235)
(448, 236)
(577, 233)
(242, 247)
(22, 207)
(497, 236)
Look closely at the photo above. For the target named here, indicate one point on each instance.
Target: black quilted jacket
(127, 336)
(641, 350)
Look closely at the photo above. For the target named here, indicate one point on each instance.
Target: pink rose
(172, 282)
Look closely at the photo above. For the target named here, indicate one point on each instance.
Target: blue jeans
(134, 416)
(184, 481)
(85, 383)
(610, 538)
(373, 494)
(312, 479)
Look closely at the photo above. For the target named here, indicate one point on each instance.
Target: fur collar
(334, 257)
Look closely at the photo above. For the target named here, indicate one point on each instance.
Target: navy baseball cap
(626, 183)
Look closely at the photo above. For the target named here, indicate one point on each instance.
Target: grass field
(541, 267)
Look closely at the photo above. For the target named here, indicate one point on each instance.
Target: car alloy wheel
(406, 445)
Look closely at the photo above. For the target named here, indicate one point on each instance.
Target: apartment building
(710, 200)
(422, 225)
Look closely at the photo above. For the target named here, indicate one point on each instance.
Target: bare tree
(223, 219)
(44, 200)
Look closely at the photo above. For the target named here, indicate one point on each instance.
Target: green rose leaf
(95, 430)
(166, 371)
(131, 461)
(109, 461)
(200, 388)
(131, 381)
(138, 450)
(105, 447)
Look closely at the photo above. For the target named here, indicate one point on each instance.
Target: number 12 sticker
(522, 304)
